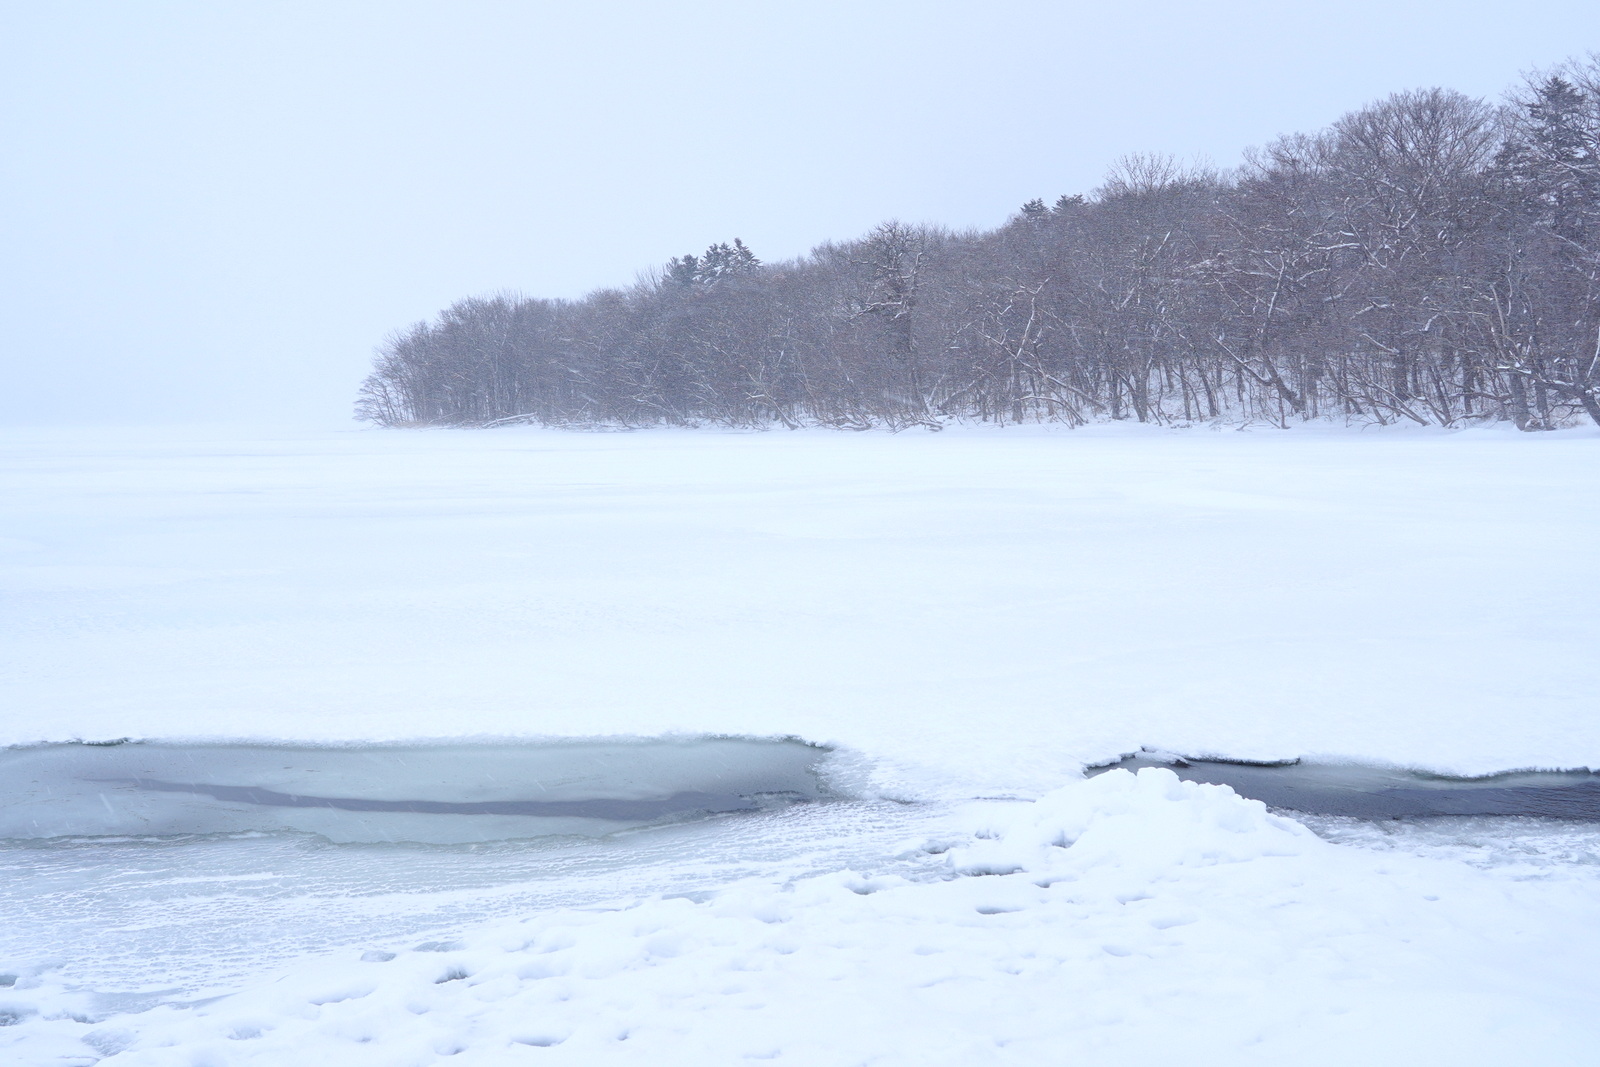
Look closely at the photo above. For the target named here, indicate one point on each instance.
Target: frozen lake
(973, 612)
(326, 746)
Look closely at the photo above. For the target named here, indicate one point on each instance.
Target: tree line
(1430, 258)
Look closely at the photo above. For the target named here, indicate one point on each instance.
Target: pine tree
(1556, 161)
(723, 261)
(682, 271)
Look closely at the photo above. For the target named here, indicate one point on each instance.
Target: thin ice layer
(427, 793)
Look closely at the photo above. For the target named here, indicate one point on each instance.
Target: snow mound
(1145, 821)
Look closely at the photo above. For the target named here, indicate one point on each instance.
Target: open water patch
(1367, 792)
(420, 793)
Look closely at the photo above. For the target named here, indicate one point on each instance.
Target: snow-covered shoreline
(1122, 915)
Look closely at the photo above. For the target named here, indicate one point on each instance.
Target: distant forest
(1431, 258)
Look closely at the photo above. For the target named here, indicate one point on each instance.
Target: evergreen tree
(1554, 160)
(682, 271)
(723, 260)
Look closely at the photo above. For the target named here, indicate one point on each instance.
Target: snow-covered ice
(967, 619)
(980, 611)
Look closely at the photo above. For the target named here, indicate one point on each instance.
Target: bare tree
(1427, 258)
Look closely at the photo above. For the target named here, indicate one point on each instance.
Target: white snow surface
(973, 612)
(969, 617)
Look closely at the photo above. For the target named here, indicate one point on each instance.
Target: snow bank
(1136, 916)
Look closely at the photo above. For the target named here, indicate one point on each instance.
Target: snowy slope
(975, 612)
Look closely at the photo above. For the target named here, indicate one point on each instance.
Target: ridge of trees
(1429, 258)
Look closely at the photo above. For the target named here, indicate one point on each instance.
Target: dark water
(1386, 793)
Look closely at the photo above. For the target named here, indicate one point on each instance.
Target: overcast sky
(214, 210)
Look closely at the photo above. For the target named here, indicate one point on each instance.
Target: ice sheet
(437, 794)
(973, 612)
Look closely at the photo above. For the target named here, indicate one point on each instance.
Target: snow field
(1129, 915)
(976, 612)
